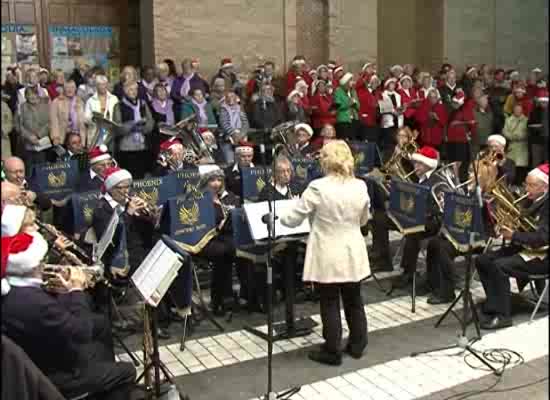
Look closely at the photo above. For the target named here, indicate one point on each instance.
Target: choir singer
(337, 205)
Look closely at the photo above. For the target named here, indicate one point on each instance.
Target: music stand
(152, 280)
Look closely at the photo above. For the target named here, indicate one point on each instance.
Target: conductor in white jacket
(337, 205)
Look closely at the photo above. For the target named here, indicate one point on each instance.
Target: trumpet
(491, 156)
(148, 209)
(52, 274)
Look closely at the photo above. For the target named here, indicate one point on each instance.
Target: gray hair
(283, 159)
(99, 79)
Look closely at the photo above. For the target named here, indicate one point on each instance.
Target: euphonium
(52, 273)
(149, 209)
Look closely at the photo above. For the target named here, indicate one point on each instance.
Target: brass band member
(220, 250)
(244, 153)
(506, 166)
(99, 160)
(70, 344)
(304, 132)
(280, 184)
(171, 158)
(441, 253)
(495, 268)
(336, 257)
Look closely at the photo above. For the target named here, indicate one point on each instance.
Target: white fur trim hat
(365, 66)
(12, 219)
(300, 83)
(245, 148)
(23, 262)
(498, 139)
(98, 153)
(537, 70)
(321, 67)
(428, 156)
(339, 68)
(396, 67)
(292, 94)
(388, 81)
(304, 127)
(113, 176)
(541, 173)
(405, 77)
(346, 78)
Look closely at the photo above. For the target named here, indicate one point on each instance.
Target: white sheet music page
(156, 273)
(107, 237)
(258, 230)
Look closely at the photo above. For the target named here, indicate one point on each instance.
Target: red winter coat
(250, 87)
(321, 111)
(368, 107)
(457, 132)
(431, 131)
(531, 90)
(292, 77)
(306, 104)
(407, 100)
(362, 83)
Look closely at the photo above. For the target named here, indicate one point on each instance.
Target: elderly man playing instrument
(524, 254)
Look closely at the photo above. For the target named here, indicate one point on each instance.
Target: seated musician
(304, 132)
(59, 332)
(441, 252)
(244, 154)
(73, 147)
(99, 160)
(220, 250)
(506, 166)
(327, 134)
(171, 158)
(11, 194)
(514, 259)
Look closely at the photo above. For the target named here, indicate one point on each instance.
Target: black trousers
(439, 262)
(494, 270)
(221, 252)
(354, 311)
(387, 143)
(136, 162)
(348, 130)
(98, 374)
(370, 133)
(381, 226)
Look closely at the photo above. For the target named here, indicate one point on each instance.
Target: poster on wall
(19, 44)
(92, 45)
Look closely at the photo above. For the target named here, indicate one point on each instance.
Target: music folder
(156, 273)
(258, 229)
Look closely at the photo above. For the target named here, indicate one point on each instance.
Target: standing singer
(337, 205)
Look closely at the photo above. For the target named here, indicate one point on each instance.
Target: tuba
(285, 136)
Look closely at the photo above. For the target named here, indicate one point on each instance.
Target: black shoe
(354, 354)
(435, 299)
(324, 357)
(497, 322)
(163, 333)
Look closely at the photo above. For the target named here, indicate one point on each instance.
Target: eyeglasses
(122, 188)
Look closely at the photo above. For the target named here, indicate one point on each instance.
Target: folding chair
(539, 297)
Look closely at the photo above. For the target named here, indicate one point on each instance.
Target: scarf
(165, 109)
(234, 115)
(72, 114)
(186, 85)
(135, 108)
(203, 117)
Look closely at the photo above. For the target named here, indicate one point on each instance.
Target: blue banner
(180, 182)
(192, 220)
(366, 157)
(148, 189)
(408, 206)
(305, 170)
(462, 215)
(16, 28)
(79, 30)
(83, 205)
(57, 180)
(253, 182)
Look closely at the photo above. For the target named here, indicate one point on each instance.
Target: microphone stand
(466, 294)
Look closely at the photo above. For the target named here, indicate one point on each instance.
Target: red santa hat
(245, 148)
(226, 62)
(498, 139)
(428, 156)
(98, 153)
(470, 69)
(210, 171)
(298, 60)
(12, 219)
(305, 127)
(113, 176)
(300, 83)
(292, 94)
(536, 70)
(388, 81)
(331, 65)
(514, 74)
(321, 67)
(404, 77)
(541, 173)
(396, 67)
(365, 66)
(25, 252)
(542, 95)
(338, 68)
(459, 97)
(169, 144)
(346, 78)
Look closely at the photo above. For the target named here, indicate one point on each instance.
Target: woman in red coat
(460, 129)
(322, 106)
(368, 110)
(409, 99)
(296, 71)
(432, 118)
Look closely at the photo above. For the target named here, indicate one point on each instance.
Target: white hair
(99, 79)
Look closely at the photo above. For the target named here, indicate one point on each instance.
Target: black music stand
(466, 296)
(150, 312)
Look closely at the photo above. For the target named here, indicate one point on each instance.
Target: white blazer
(93, 105)
(387, 119)
(336, 250)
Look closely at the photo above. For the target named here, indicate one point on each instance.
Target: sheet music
(155, 274)
(43, 144)
(258, 230)
(107, 237)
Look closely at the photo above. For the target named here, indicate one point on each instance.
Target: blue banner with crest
(149, 189)
(83, 205)
(408, 206)
(305, 170)
(366, 157)
(462, 215)
(179, 182)
(57, 180)
(253, 182)
(192, 220)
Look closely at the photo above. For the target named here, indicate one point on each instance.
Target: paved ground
(232, 364)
